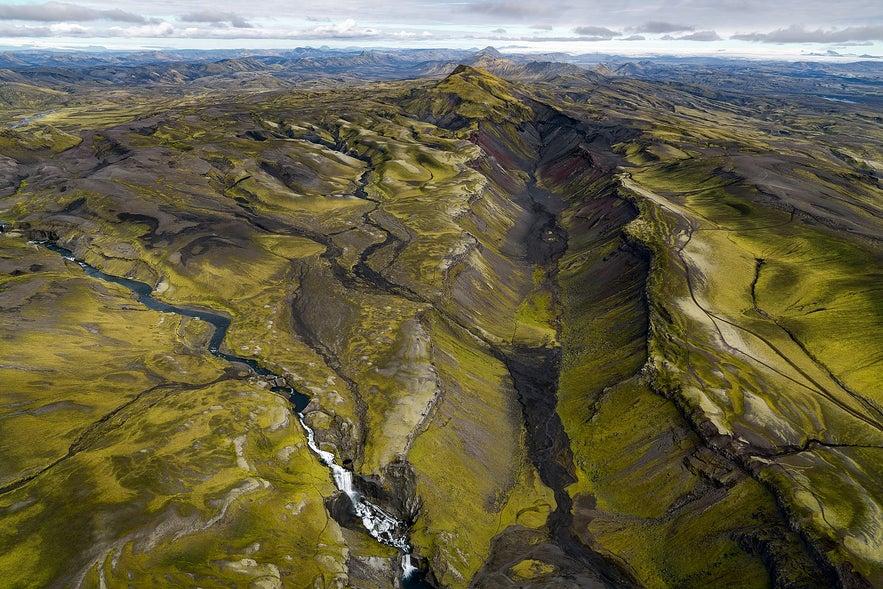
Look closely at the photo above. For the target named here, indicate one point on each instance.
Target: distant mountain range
(858, 81)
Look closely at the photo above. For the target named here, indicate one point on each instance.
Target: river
(29, 120)
(381, 525)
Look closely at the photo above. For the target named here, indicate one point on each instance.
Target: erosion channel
(378, 523)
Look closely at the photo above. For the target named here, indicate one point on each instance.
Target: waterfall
(382, 526)
(408, 569)
(344, 481)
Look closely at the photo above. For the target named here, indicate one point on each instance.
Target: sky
(748, 28)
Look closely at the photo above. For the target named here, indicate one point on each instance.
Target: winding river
(381, 525)
(28, 120)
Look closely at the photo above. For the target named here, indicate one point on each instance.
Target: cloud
(657, 26)
(411, 35)
(595, 32)
(499, 31)
(508, 8)
(794, 34)
(634, 38)
(20, 31)
(705, 36)
(160, 29)
(216, 17)
(558, 39)
(66, 29)
(346, 30)
(542, 27)
(63, 12)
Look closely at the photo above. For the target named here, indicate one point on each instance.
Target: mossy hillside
(474, 477)
(604, 328)
(181, 486)
(633, 493)
(730, 207)
(33, 143)
(493, 308)
(817, 389)
(142, 489)
(820, 289)
(675, 323)
(514, 144)
(469, 94)
(676, 513)
(399, 385)
(490, 283)
(837, 502)
(735, 232)
(377, 341)
(353, 337)
(77, 327)
(421, 180)
(18, 99)
(740, 396)
(535, 320)
(742, 233)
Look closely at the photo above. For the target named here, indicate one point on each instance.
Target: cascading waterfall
(408, 568)
(378, 523)
(344, 481)
(382, 526)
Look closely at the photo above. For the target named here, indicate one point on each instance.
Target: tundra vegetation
(569, 326)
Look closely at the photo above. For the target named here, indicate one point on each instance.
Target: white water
(344, 481)
(407, 568)
(382, 526)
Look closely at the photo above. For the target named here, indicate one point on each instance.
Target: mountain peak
(471, 93)
(489, 51)
(464, 70)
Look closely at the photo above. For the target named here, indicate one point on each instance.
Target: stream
(379, 524)
(29, 120)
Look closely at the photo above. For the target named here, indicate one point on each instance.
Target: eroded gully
(535, 372)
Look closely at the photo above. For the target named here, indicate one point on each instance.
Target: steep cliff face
(519, 325)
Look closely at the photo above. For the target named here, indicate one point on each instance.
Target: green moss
(474, 477)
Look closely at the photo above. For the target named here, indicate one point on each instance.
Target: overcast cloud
(216, 17)
(64, 12)
(796, 34)
(657, 26)
(718, 24)
(596, 32)
(697, 36)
